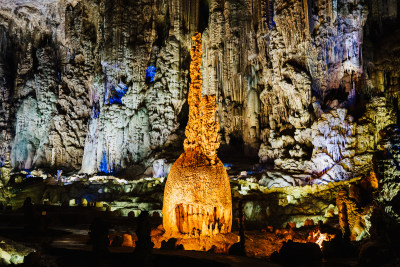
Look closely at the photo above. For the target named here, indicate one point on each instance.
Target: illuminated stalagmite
(197, 196)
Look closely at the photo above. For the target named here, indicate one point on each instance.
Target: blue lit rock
(89, 81)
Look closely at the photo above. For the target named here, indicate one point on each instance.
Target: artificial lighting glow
(197, 196)
(318, 238)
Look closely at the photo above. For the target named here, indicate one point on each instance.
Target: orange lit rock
(308, 222)
(209, 128)
(292, 225)
(318, 237)
(370, 182)
(352, 217)
(128, 242)
(197, 196)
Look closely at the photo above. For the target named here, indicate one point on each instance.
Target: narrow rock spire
(193, 128)
(202, 129)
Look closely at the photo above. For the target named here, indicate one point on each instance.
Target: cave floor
(67, 244)
(64, 240)
(122, 256)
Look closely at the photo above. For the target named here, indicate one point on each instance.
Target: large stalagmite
(197, 196)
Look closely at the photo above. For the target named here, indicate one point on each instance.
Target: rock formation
(197, 196)
(5, 171)
(387, 161)
(74, 87)
(101, 86)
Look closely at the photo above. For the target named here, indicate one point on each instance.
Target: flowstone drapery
(197, 196)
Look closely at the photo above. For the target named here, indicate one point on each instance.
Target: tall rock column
(193, 129)
(197, 196)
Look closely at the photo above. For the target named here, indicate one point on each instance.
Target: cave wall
(78, 97)
(96, 85)
(382, 57)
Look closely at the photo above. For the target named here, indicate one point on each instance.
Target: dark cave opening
(9, 56)
(35, 59)
(204, 14)
(162, 31)
(183, 116)
(234, 149)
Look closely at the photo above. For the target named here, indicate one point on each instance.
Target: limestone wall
(101, 85)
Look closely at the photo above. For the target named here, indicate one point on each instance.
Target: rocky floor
(67, 243)
(66, 206)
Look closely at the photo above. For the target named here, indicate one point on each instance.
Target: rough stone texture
(341, 147)
(197, 196)
(351, 217)
(160, 168)
(278, 206)
(12, 252)
(197, 200)
(307, 63)
(101, 85)
(387, 160)
(127, 133)
(5, 171)
(333, 142)
(381, 56)
(65, 66)
(283, 179)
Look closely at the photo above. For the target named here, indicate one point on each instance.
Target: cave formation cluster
(101, 86)
(105, 92)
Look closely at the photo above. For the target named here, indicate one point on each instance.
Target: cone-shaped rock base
(197, 197)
